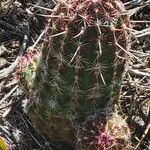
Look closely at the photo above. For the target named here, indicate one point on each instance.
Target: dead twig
(8, 105)
(133, 11)
(142, 33)
(5, 72)
(137, 72)
(8, 95)
(143, 136)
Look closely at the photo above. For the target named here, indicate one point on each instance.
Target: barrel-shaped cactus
(82, 64)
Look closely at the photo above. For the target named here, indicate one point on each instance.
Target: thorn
(40, 37)
(102, 78)
(100, 48)
(98, 26)
(127, 52)
(75, 54)
(80, 33)
(58, 34)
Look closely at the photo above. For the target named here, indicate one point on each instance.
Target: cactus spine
(82, 64)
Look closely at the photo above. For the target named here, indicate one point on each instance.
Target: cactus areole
(82, 64)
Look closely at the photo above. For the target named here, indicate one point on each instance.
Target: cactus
(104, 130)
(82, 64)
(26, 70)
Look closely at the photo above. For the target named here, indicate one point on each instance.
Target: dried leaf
(3, 145)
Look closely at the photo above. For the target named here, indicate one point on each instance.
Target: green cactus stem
(82, 65)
